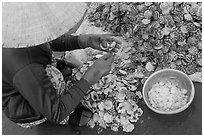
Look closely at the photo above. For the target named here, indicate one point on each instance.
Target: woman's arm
(35, 86)
(65, 43)
(68, 42)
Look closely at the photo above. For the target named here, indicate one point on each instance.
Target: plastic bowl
(181, 77)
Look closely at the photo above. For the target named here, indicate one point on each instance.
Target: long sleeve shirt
(27, 92)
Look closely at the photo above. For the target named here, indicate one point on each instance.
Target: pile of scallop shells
(159, 35)
(164, 34)
(114, 98)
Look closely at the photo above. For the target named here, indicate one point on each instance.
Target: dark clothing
(27, 92)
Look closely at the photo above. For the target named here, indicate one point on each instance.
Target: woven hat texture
(26, 24)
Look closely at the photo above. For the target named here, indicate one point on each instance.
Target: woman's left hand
(100, 41)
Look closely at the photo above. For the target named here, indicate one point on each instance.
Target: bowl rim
(177, 110)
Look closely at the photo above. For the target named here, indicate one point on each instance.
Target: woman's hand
(100, 68)
(100, 42)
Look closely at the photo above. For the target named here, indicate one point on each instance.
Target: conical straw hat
(30, 24)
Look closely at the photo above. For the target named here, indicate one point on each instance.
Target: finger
(118, 46)
(111, 39)
(115, 50)
(106, 56)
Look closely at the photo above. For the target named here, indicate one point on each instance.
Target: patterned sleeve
(36, 87)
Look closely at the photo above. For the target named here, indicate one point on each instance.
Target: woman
(28, 93)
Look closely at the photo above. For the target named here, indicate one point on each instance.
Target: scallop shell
(188, 58)
(188, 17)
(105, 79)
(136, 28)
(181, 54)
(158, 46)
(114, 127)
(199, 61)
(87, 97)
(94, 105)
(139, 112)
(178, 62)
(148, 3)
(146, 21)
(192, 40)
(134, 118)
(144, 59)
(199, 69)
(193, 50)
(125, 56)
(112, 45)
(86, 103)
(98, 56)
(183, 43)
(165, 7)
(112, 85)
(132, 87)
(121, 96)
(148, 14)
(139, 94)
(155, 24)
(191, 27)
(101, 107)
(97, 86)
(178, 19)
(107, 91)
(91, 123)
(166, 31)
(197, 24)
(199, 11)
(96, 15)
(184, 62)
(108, 104)
(149, 66)
(96, 117)
(184, 29)
(191, 68)
(138, 74)
(122, 72)
(129, 94)
(172, 65)
(94, 96)
(145, 36)
(125, 82)
(143, 80)
(156, 16)
(78, 75)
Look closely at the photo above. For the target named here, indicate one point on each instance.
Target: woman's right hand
(101, 67)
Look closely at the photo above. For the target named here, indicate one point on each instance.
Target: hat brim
(33, 23)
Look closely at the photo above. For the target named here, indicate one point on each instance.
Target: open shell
(149, 66)
(108, 118)
(94, 96)
(132, 87)
(108, 104)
